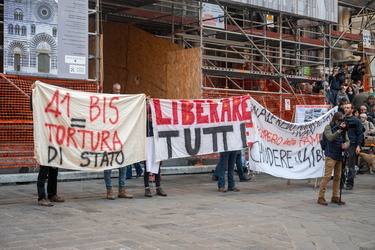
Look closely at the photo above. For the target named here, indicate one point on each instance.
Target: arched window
(17, 30)
(32, 29)
(10, 29)
(23, 30)
(18, 14)
(54, 31)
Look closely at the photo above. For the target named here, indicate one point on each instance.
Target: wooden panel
(136, 59)
(184, 74)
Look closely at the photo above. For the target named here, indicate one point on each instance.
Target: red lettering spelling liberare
(71, 137)
(98, 109)
(187, 112)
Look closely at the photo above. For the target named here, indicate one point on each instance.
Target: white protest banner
(194, 127)
(88, 131)
(285, 149)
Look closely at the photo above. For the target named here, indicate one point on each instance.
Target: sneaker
(234, 189)
(56, 198)
(214, 178)
(148, 192)
(45, 202)
(349, 188)
(247, 178)
(222, 189)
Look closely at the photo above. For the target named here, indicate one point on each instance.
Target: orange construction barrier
(16, 118)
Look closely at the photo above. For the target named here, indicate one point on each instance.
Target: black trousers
(146, 178)
(45, 173)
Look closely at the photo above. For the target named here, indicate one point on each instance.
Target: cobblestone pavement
(266, 214)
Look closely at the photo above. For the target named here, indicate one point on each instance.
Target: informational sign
(73, 39)
(195, 127)
(88, 131)
(213, 16)
(366, 39)
(306, 113)
(46, 38)
(287, 104)
(270, 21)
(285, 149)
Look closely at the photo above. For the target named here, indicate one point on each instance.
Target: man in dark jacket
(355, 135)
(337, 140)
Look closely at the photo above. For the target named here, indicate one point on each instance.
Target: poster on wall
(213, 16)
(46, 38)
(307, 113)
(366, 39)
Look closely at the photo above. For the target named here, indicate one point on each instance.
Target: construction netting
(16, 119)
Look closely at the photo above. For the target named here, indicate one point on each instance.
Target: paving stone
(265, 214)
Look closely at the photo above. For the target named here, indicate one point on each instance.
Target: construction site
(186, 49)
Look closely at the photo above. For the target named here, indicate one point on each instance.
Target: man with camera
(355, 134)
(336, 142)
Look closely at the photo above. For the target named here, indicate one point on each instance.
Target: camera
(343, 120)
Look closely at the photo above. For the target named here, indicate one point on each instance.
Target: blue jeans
(121, 178)
(239, 166)
(138, 170)
(226, 159)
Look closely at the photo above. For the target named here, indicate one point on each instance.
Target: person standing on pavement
(355, 134)
(227, 158)
(240, 169)
(50, 173)
(46, 172)
(151, 165)
(336, 142)
(116, 89)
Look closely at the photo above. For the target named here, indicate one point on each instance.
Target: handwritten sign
(285, 149)
(87, 131)
(194, 127)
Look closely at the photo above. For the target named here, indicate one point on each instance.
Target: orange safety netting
(16, 119)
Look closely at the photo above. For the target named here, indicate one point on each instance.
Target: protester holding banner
(227, 159)
(355, 135)
(46, 172)
(151, 165)
(336, 142)
(116, 89)
(240, 169)
(49, 173)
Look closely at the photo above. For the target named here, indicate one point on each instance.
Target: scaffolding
(258, 50)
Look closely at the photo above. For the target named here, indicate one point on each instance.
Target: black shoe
(214, 178)
(360, 172)
(349, 188)
(247, 178)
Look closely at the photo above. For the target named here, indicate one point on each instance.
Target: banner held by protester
(195, 127)
(87, 131)
(285, 149)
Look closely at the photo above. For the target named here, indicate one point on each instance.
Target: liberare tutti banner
(195, 127)
(284, 149)
(87, 131)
